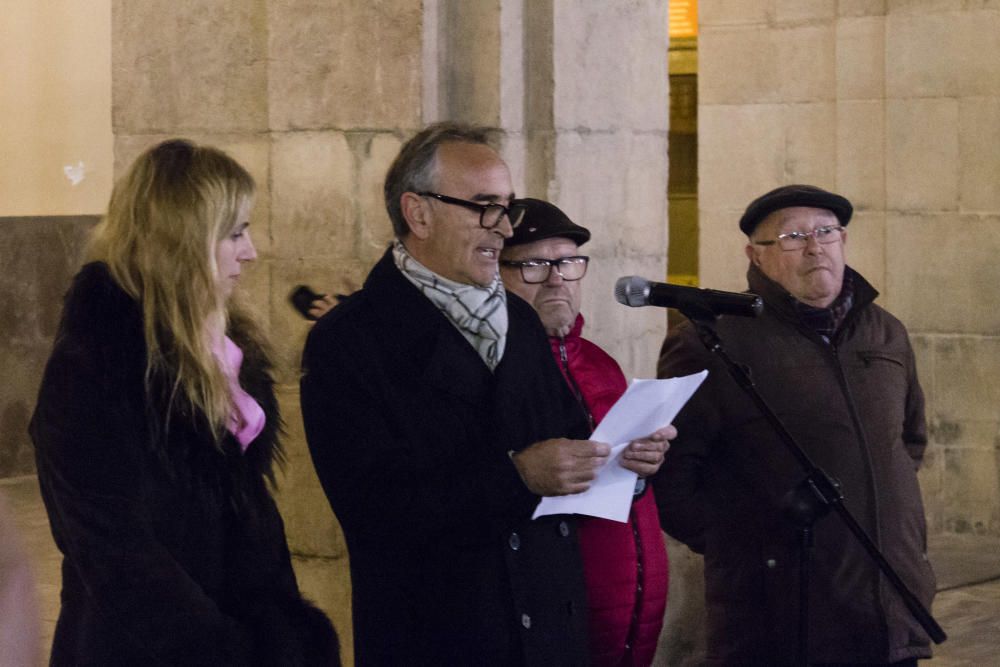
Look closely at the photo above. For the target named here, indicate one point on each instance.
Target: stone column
(581, 89)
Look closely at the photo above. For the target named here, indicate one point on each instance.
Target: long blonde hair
(158, 239)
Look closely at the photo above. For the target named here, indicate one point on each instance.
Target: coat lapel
(425, 335)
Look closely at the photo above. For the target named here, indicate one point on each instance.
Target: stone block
(327, 583)
(605, 82)
(866, 246)
(935, 54)
(979, 154)
(939, 271)
(794, 64)
(861, 7)
(373, 154)
(525, 37)
(860, 153)
(971, 486)
(922, 6)
(756, 81)
(344, 64)
(682, 640)
(467, 56)
(741, 154)
(39, 257)
(967, 393)
(811, 143)
(621, 196)
(515, 152)
(733, 12)
(722, 261)
(313, 195)
(861, 58)
(922, 158)
(632, 336)
(23, 367)
(793, 11)
(310, 525)
(189, 66)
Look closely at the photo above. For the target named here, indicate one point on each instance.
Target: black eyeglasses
(799, 240)
(534, 271)
(490, 215)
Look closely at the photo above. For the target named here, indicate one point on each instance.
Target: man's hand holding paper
(636, 421)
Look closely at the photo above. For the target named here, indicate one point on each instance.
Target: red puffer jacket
(625, 564)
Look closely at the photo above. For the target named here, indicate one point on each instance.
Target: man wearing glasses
(625, 564)
(436, 419)
(840, 373)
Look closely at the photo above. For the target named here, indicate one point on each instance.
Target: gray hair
(415, 168)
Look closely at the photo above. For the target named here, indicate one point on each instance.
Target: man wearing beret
(624, 564)
(840, 373)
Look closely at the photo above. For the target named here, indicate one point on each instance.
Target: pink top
(247, 420)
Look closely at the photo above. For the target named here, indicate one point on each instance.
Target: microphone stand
(814, 497)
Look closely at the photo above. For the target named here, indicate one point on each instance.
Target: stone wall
(39, 255)
(895, 104)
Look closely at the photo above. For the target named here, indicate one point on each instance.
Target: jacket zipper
(564, 358)
(863, 439)
(637, 608)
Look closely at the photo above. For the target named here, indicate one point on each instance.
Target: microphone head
(632, 291)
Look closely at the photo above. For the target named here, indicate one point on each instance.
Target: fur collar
(104, 323)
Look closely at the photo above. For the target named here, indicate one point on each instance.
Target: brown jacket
(855, 406)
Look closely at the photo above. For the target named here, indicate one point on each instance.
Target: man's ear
(751, 255)
(416, 213)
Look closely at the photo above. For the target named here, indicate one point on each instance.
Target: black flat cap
(794, 195)
(543, 220)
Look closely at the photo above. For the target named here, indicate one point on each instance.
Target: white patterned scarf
(479, 313)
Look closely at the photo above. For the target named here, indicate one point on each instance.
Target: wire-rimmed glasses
(799, 240)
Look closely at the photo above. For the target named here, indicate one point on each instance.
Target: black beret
(543, 220)
(794, 195)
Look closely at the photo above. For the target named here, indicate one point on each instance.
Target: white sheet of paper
(644, 407)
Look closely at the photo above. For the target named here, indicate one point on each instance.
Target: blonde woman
(156, 433)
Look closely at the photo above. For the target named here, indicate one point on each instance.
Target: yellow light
(683, 16)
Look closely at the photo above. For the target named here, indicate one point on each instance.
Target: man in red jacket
(625, 564)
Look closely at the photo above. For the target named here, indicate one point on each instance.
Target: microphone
(692, 301)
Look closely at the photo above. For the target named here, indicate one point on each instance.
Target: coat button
(771, 563)
(564, 529)
(526, 621)
(514, 541)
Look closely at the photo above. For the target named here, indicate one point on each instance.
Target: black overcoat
(173, 551)
(410, 434)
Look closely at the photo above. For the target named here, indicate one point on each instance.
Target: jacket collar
(777, 300)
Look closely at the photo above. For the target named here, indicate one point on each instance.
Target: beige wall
(55, 106)
(895, 104)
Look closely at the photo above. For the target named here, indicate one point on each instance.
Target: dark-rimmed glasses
(490, 215)
(799, 240)
(534, 271)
